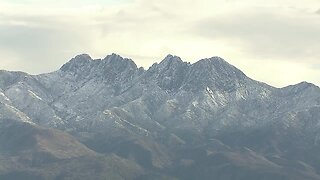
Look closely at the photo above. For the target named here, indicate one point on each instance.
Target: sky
(274, 41)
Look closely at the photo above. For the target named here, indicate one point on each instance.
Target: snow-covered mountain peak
(215, 73)
(303, 87)
(189, 119)
(214, 62)
(306, 84)
(170, 61)
(108, 69)
(77, 62)
(118, 61)
(170, 57)
(85, 57)
(113, 57)
(81, 59)
(217, 59)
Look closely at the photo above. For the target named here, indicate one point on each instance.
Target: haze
(272, 41)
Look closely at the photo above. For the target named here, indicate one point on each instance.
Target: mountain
(28, 151)
(175, 120)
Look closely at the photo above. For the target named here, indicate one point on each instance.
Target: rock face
(176, 119)
(28, 151)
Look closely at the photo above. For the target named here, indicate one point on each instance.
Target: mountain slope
(31, 152)
(175, 119)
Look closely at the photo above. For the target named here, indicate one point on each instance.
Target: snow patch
(120, 122)
(21, 115)
(34, 95)
(195, 103)
(4, 96)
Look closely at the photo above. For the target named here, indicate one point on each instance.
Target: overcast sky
(275, 41)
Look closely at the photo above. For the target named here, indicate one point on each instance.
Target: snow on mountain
(173, 93)
(169, 110)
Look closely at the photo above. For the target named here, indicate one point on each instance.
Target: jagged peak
(170, 61)
(301, 85)
(217, 64)
(216, 60)
(113, 56)
(84, 60)
(83, 57)
(116, 59)
(171, 58)
(78, 61)
(305, 84)
(214, 72)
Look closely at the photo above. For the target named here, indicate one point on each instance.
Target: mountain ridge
(175, 119)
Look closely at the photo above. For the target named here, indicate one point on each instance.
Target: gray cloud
(268, 34)
(40, 38)
(39, 43)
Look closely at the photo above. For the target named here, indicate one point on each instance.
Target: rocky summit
(109, 119)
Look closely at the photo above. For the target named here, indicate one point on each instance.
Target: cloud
(252, 34)
(265, 34)
(38, 43)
